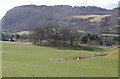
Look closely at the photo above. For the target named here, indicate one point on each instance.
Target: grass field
(96, 18)
(111, 35)
(23, 32)
(33, 61)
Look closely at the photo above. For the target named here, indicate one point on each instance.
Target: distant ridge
(26, 17)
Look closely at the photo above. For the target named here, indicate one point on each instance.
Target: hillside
(26, 17)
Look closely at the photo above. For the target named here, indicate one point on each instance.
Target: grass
(82, 31)
(110, 34)
(96, 18)
(33, 61)
(84, 48)
(23, 32)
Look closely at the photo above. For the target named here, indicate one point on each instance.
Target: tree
(39, 35)
(17, 36)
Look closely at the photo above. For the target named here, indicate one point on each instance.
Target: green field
(23, 32)
(97, 18)
(22, 60)
(111, 35)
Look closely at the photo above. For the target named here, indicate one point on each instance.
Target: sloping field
(96, 18)
(23, 32)
(20, 60)
(110, 34)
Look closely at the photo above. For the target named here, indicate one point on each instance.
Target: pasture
(96, 18)
(22, 60)
(23, 32)
(117, 35)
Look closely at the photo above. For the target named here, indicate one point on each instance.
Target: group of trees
(13, 37)
(55, 35)
(58, 35)
(65, 36)
(7, 37)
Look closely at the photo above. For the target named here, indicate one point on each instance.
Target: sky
(6, 5)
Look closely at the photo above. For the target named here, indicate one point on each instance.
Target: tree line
(13, 37)
(65, 36)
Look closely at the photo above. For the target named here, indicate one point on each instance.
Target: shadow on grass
(86, 48)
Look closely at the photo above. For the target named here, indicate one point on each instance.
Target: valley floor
(27, 60)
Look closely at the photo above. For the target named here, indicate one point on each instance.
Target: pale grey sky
(9, 4)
